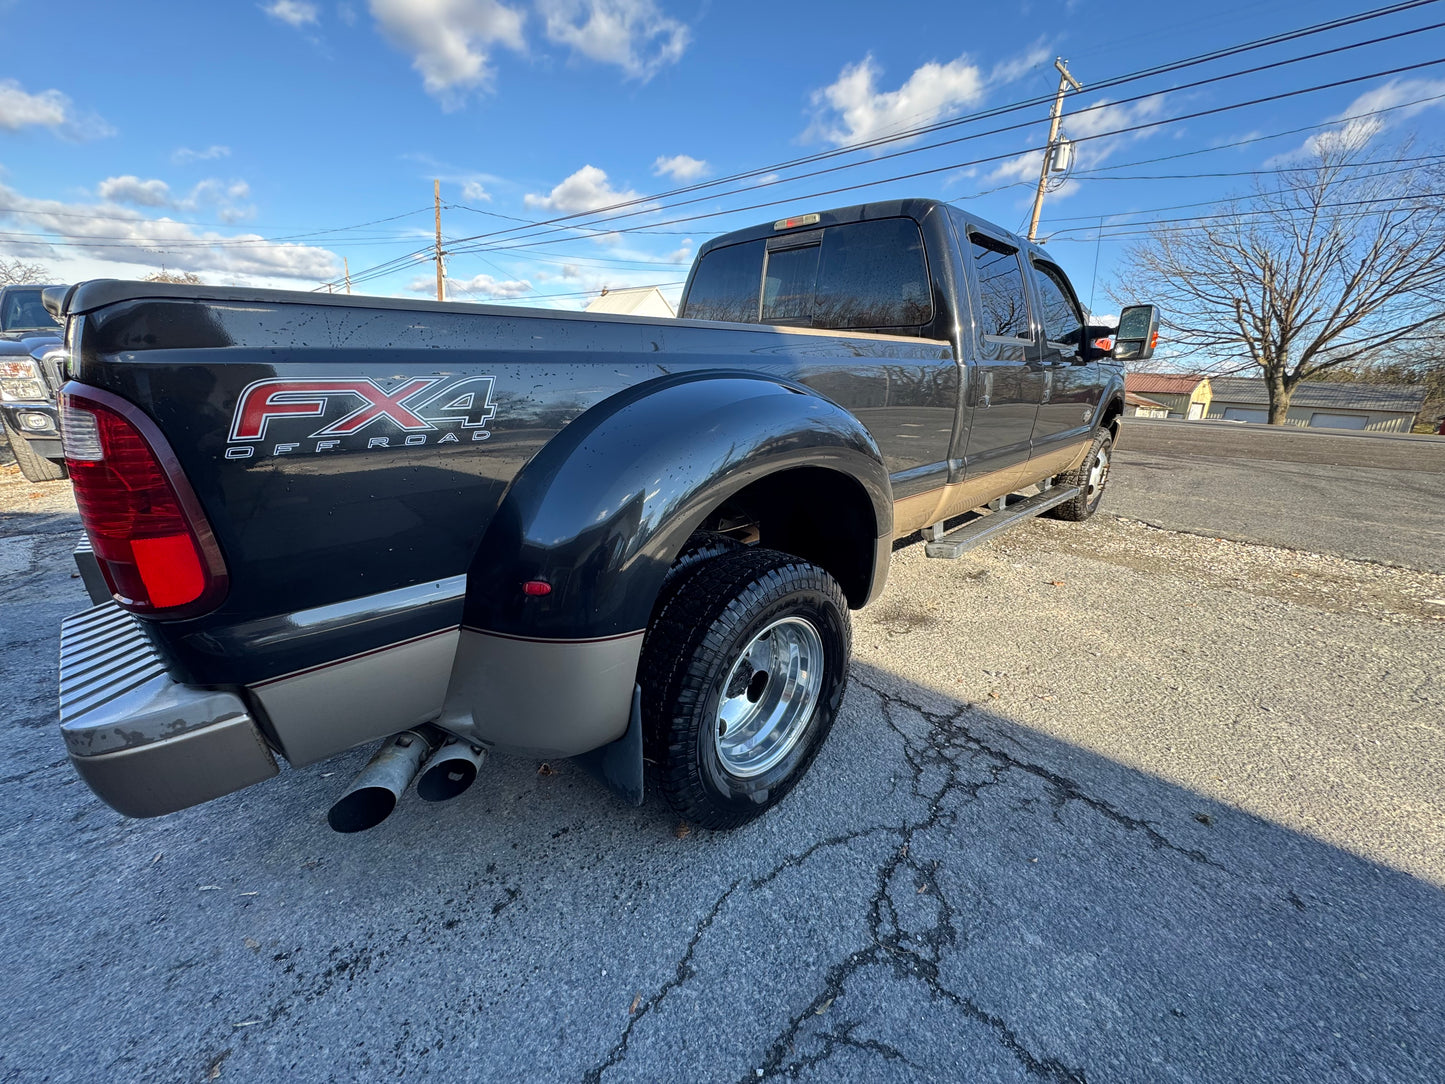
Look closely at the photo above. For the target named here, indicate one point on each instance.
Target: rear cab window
(857, 276)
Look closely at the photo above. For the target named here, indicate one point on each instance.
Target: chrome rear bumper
(144, 743)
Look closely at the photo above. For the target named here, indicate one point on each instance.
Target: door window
(1003, 302)
(1060, 314)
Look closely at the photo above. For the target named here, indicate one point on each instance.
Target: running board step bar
(980, 529)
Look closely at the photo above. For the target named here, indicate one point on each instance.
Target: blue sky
(262, 143)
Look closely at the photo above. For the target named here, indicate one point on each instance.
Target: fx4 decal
(359, 414)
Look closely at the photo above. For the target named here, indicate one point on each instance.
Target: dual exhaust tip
(443, 767)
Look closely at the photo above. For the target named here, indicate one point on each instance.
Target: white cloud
(680, 167)
(473, 190)
(1015, 68)
(224, 198)
(131, 189)
(110, 233)
(297, 13)
(46, 109)
(1357, 126)
(1092, 147)
(633, 34)
(18, 109)
(852, 109)
(483, 286)
(585, 190)
(449, 41)
(1106, 117)
(184, 156)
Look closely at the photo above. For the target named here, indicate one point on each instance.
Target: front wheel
(34, 466)
(1091, 477)
(742, 674)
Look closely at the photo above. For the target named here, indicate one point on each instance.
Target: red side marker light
(536, 588)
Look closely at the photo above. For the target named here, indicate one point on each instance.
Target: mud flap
(618, 764)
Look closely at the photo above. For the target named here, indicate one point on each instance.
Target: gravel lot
(1106, 803)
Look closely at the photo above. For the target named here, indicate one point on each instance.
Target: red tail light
(147, 528)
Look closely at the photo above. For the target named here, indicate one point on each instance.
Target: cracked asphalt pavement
(1105, 803)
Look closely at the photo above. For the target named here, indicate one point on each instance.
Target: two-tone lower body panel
(149, 745)
(532, 697)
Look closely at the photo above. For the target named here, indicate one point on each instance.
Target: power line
(1143, 126)
(1141, 229)
(1263, 172)
(969, 118)
(1257, 172)
(978, 161)
(997, 111)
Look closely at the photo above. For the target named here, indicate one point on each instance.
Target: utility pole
(441, 275)
(347, 265)
(1056, 115)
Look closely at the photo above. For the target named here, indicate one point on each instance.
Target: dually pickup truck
(323, 521)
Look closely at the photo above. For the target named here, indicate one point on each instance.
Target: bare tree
(1334, 265)
(185, 278)
(19, 273)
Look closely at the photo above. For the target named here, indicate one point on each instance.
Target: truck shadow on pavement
(948, 895)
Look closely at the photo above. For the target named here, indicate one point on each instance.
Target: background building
(637, 301)
(1139, 407)
(1380, 408)
(1183, 395)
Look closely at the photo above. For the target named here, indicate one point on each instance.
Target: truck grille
(104, 654)
(50, 368)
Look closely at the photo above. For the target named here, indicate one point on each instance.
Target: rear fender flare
(604, 509)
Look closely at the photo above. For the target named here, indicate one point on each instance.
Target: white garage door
(1242, 414)
(1320, 420)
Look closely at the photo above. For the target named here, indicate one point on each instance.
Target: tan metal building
(1379, 408)
(1184, 395)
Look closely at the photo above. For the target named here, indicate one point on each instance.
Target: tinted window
(726, 284)
(873, 275)
(1002, 299)
(1063, 321)
(788, 286)
(24, 309)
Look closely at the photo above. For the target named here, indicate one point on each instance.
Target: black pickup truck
(323, 521)
(29, 381)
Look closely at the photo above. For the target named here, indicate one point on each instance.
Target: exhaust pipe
(451, 770)
(377, 788)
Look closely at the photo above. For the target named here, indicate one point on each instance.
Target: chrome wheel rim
(769, 696)
(1098, 473)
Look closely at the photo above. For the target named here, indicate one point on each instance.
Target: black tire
(36, 468)
(698, 639)
(1101, 455)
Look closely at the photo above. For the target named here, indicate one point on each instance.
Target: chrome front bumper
(143, 742)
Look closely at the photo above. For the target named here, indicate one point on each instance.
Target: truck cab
(1024, 387)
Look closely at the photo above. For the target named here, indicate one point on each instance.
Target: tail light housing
(155, 548)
